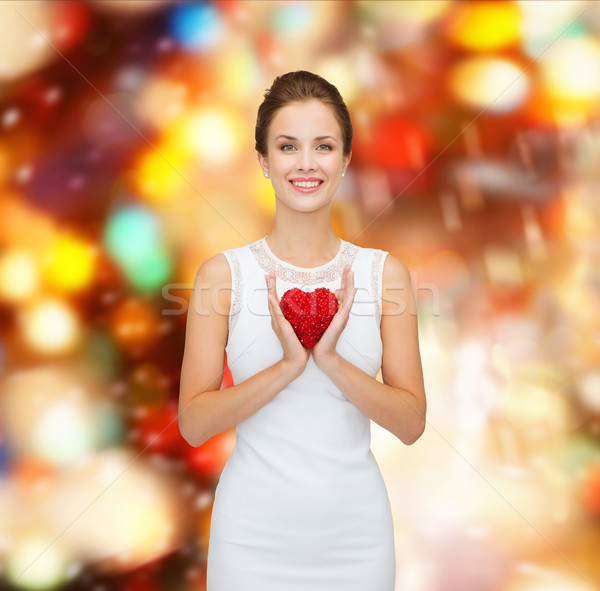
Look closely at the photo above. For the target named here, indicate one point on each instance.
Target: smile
(306, 186)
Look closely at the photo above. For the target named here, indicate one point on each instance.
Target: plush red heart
(309, 313)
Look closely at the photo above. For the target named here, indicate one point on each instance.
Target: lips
(306, 185)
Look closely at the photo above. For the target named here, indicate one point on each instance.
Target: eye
(287, 147)
(325, 147)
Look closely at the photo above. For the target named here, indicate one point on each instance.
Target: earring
(266, 174)
(343, 173)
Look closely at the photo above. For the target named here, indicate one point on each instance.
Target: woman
(301, 504)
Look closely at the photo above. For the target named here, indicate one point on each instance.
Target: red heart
(309, 313)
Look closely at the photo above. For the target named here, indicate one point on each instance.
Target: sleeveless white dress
(301, 504)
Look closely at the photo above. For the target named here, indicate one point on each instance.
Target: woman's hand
(324, 350)
(293, 351)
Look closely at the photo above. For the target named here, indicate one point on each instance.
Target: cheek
(337, 166)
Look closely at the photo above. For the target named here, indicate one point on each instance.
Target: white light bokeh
(492, 83)
(50, 326)
(117, 510)
(51, 412)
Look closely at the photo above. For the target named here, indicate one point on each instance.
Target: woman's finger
(272, 291)
(350, 290)
(274, 309)
(348, 285)
(272, 313)
(344, 275)
(272, 299)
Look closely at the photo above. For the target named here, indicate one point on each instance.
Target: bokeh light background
(127, 158)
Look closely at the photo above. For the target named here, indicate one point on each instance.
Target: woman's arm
(204, 409)
(398, 404)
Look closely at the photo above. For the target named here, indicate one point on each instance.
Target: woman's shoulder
(395, 267)
(227, 264)
(369, 256)
(389, 266)
(365, 250)
(396, 284)
(395, 272)
(215, 269)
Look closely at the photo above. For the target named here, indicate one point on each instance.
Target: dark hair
(301, 86)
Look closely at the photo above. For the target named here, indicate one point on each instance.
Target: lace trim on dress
(236, 288)
(377, 282)
(287, 272)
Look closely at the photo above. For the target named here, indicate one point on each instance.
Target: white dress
(301, 504)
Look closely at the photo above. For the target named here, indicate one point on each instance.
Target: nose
(305, 161)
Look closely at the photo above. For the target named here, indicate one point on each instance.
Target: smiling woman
(301, 502)
(299, 87)
(304, 156)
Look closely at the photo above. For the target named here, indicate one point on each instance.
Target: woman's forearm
(214, 411)
(394, 409)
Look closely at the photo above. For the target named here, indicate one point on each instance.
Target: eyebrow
(319, 139)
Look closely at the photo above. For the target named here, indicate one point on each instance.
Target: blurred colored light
(70, 263)
(577, 219)
(196, 25)
(447, 271)
(570, 70)
(5, 462)
(579, 452)
(50, 326)
(71, 21)
(262, 193)
(148, 386)
(134, 324)
(589, 390)
(64, 434)
(545, 579)
(543, 22)
(35, 561)
(486, 25)
(239, 70)
(23, 225)
(161, 100)
(22, 48)
(51, 413)
(340, 71)
(161, 174)
(494, 83)
(529, 405)
(109, 121)
(208, 459)
(130, 233)
(503, 265)
(110, 427)
(133, 237)
(124, 6)
(151, 272)
(19, 275)
(291, 18)
(5, 164)
(101, 351)
(590, 489)
(394, 142)
(213, 135)
(29, 472)
(406, 11)
(117, 509)
(157, 431)
(394, 25)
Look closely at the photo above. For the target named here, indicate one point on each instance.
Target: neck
(304, 239)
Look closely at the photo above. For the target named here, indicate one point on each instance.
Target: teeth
(306, 184)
